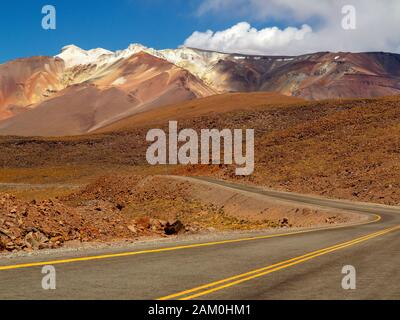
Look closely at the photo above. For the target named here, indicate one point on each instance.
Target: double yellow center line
(235, 280)
(168, 249)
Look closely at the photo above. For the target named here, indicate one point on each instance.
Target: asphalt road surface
(303, 264)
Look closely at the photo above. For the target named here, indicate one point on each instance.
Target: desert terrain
(59, 191)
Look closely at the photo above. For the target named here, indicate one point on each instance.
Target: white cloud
(377, 26)
(245, 39)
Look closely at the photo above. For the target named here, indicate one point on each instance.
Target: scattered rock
(284, 223)
(5, 232)
(36, 240)
(10, 246)
(174, 228)
(133, 229)
(331, 220)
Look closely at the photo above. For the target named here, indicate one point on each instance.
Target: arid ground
(99, 187)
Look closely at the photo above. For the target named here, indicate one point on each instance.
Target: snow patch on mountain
(198, 62)
(119, 81)
(73, 55)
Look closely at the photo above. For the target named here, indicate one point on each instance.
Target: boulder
(36, 240)
(174, 228)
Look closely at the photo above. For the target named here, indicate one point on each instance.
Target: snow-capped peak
(73, 55)
(71, 48)
(136, 47)
(198, 62)
(131, 50)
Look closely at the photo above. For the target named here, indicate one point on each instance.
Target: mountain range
(79, 91)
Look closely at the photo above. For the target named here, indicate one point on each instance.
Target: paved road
(296, 265)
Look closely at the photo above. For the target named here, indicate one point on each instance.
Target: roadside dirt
(127, 207)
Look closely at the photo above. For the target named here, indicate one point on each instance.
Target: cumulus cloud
(376, 28)
(245, 39)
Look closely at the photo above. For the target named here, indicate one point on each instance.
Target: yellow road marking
(252, 272)
(235, 280)
(191, 246)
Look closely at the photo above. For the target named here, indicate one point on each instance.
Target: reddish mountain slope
(85, 91)
(315, 76)
(140, 83)
(27, 81)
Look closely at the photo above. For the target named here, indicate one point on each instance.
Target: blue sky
(248, 26)
(109, 24)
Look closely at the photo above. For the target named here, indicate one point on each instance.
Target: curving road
(294, 265)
